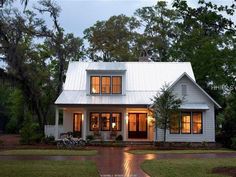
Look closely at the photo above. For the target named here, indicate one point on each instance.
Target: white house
(109, 99)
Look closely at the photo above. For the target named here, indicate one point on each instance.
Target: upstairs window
(106, 84)
(116, 84)
(95, 85)
(184, 89)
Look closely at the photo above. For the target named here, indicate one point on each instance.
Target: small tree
(165, 104)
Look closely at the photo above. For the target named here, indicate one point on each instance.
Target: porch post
(124, 126)
(84, 125)
(56, 122)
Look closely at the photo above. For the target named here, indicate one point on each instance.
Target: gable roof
(142, 81)
(198, 86)
(140, 76)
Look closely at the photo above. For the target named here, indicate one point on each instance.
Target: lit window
(105, 121)
(94, 121)
(174, 124)
(197, 123)
(95, 85)
(106, 84)
(186, 123)
(116, 84)
(116, 121)
(77, 122)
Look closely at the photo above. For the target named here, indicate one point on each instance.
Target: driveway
(116, 162)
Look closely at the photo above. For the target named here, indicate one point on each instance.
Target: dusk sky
(77, 15)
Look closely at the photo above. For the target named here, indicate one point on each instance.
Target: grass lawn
(49, 152)
(141, 152)
(48, 169)
(185, 167)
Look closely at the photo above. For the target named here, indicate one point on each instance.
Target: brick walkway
(116, 162)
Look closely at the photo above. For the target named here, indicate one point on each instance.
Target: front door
(77, 125)
(137, 125)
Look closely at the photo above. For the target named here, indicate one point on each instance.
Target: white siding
(194, 95)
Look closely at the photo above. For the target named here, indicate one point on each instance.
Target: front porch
(106, 123)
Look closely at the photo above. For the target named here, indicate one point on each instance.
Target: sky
(77, 15)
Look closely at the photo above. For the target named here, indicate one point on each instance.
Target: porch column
(56, 122)
(124, 133)
(84, 125)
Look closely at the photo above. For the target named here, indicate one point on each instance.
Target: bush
(30, 131)
(89, 137)
(1, 142)
(233, 144)
(119, 138)
(48, 140)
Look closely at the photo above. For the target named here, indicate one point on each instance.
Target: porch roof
(74, 97)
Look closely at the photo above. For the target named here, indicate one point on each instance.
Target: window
(116, 121)
(94, 121)
(175, 124)
(106, 85)
(95, 85)
(186, 123)
(197, 122)
(184, 90)
(105, 121)
(77, 122)
(116, 84)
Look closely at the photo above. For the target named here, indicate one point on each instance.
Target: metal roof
(73, 97)
(140, 76)
(197, 106)
(142, 81)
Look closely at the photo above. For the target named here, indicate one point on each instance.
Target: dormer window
(95, 85)
(116, 84)
(106, 84)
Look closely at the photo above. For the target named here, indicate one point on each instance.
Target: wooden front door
(77, 125)
(137, 125)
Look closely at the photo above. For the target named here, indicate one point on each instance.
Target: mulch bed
(229, 171)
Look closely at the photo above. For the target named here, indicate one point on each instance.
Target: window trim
(190, 122)
(100, 121)
(201, 123)
(91, 85)
(120, 85)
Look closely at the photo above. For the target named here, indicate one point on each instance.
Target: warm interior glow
(197, 122)
(185, 123)
(113, 125)
(95, 84)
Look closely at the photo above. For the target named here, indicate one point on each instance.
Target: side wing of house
(196, 120)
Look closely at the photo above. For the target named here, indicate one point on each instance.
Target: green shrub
(1, 142)
(89, 137)
(233, 144)
(48, 140)
(119, 138)
(29, 132)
